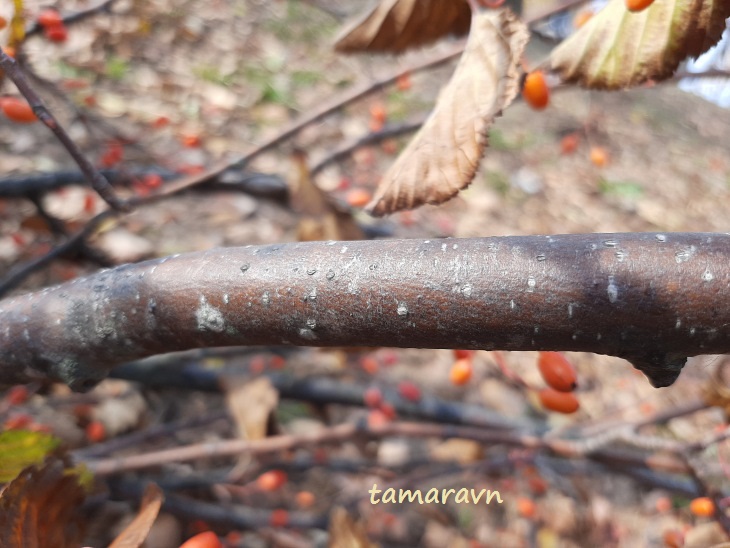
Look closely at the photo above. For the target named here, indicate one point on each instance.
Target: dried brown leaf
(444, 155)
(251, 402)
(136, 532)
(320, 218)
(396, 25)
(345, 532)
(40, 508)
(618, 48)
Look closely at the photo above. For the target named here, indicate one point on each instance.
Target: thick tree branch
(654, 299)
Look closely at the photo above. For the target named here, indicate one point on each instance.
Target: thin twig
(95, 178)
(371, 138)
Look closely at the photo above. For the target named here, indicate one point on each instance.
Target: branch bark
(653, 299)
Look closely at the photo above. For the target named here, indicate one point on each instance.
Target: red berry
(49, 18)
(95, 431)
(56, 33)
(558, 372)
(17, 110)
(279, 518)
(409, 391)
(463, 354)
(403, 83)
(113, 154)
(388, 410)
(152, 180)
(17, 395)
(373, 397)
(17, 422)
(561, 402)
(569, 143)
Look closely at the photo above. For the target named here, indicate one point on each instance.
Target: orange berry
(673, 538)
(305, 499)
(377, 112)
(526, 508)
(9, 51)
(569, 143)
(638, 5)
(558, 372)
(461, 372)
(3, 22)
(599, 156)
(562, 402)
(403, 83)
(369, 364)
(271, 480)
(358, 197)
(702, 507)
(95, 431)
(160, 122)
(190, 140)
(207, 539)
(49, 18)
(535, 91)
(581, 18)
(17, 110)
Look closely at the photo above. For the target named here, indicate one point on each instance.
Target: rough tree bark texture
(654, 299)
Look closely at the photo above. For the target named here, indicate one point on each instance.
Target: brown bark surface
(651, 298)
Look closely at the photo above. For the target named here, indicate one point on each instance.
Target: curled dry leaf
(136, 532)
(444, 155)
(618, 48)
(396, 25)
(41, 507)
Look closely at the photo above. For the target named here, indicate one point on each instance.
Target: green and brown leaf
(619, 49)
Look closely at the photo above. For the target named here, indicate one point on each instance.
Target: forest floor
(186, 84)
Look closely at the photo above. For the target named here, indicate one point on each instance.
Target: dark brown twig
(95, 178)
